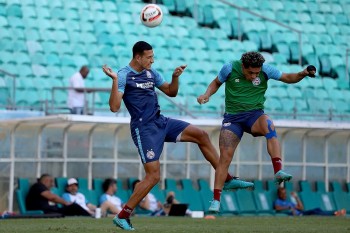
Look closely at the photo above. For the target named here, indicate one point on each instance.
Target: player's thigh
(262, 126)
(152, 168)
(193, 134)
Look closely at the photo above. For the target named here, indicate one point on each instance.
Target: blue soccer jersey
(149, 129)
(139, 95)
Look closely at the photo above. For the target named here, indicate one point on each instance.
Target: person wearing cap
(72, 195)
(40, 197)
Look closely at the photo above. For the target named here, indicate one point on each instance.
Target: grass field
(188, 225)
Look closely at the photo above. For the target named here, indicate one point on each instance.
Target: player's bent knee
(271, 131)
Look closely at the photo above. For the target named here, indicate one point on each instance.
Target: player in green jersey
(246, 82)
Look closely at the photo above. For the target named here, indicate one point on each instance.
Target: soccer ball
(151, 15)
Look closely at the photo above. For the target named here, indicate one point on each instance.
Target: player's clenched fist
(202, 99)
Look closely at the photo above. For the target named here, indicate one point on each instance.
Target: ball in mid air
(151, 15)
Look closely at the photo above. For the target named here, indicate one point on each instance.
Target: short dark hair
(134, 184)
(43, 176)
(108, 182)
(139, 47)
(252, 59)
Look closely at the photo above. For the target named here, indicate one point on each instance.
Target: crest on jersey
(256, 81)
(149, 75)
(227, 124)
(150, 154)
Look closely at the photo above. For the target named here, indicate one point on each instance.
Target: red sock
(217, 194)
(228, 177)
(277, 164)
(126, 212)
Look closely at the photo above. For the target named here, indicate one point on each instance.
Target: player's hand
(178, 71)
(108, 71)
(202, 99)
(310, 71)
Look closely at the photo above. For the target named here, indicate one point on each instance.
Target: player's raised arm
(115, 97)
(171, 89)
(296, 77)
(212, 88)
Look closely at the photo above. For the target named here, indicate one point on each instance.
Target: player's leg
(152, 170)
(152, 177)
(264, 126)
(193, 134)
(196, 135)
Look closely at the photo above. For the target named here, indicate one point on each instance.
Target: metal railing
(13, 94)
(51, 108)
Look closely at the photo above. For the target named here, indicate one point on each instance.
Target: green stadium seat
(203, 184)
(39, 71)
(335, 94)
(14, 10)
(229, 203)
(25, 71)
(39, 59)
(3, 22)
(246, 203)
(15, 22)
(29, 12)
(225, 25)
(83, 183)
(193, 198)
(273, 104)
(58, 13)
(170, 4)
(21, 194)
(97, 186)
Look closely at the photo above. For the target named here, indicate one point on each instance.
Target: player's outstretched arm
(212, 88)
(171, 89)
(115, 97)
(296, 77)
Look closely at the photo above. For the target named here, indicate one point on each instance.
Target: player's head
(142, 53)
(84, 71)
(109, 185)
(72, 186)
(282, 193)
(46, 180)
(251, 64)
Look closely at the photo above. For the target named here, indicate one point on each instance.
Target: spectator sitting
(76, 96)
(170, 199)
(72, 195)
(151, 203)
(297, 208)
(41, 198)
(109, 199)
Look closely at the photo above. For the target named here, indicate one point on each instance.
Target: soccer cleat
(281, 176)
(214, 206)
(236, 183)
(123, 223)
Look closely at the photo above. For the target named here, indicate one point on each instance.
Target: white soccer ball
(151, 15)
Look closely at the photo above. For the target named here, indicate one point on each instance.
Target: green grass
(188, 225)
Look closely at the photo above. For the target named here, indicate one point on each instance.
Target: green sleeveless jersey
(242, 95)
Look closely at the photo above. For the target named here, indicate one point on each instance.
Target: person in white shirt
(109, 198)
(76, 96)
(72, 195)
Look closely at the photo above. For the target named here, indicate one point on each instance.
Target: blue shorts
(149, 138)
(241, 122)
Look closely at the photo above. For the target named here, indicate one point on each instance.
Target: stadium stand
(50, 42)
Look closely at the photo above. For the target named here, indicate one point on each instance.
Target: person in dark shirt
(41, 198)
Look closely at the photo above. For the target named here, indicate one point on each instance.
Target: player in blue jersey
(134, 84)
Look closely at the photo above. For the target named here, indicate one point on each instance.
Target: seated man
(297, 208)
(112, 203)
(41, 198)
(151, 203)
(72, 195)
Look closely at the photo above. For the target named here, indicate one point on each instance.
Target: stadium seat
(246, 203)
(264, 203)
(21, 194)
(61, 183)
(229, 204)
